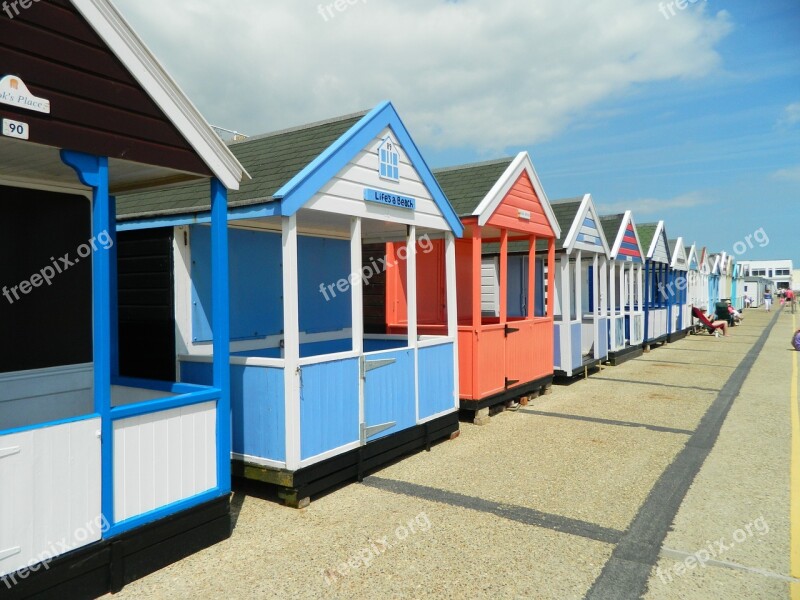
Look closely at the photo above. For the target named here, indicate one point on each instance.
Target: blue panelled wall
(256, 285)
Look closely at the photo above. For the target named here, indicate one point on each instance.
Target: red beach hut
(505, 318)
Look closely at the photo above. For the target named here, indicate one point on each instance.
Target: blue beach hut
(657, 283)
(680, 310)
(626, 286)
(581, 286)
(319, 396)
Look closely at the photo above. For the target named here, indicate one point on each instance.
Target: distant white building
(780, 272)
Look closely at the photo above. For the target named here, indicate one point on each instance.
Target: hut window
(390, 160)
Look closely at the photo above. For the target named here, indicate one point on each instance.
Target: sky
(686, 111)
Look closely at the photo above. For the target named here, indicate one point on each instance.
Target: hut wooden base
(582, 371)
(296, 488)
(478, 411)
(109, 565)
(622, 356)
(647, 346)
(678, 335)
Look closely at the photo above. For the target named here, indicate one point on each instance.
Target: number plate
(15, 129)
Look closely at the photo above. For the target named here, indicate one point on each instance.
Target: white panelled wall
(49, 493)
(163, 458)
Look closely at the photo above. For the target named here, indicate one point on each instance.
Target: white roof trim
(659, 234)
(112, 28)
(679, 249)
(693, 252)
(587, 207)
(627, 219)
(521, 163)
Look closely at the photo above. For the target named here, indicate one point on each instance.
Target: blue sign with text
(389, 199)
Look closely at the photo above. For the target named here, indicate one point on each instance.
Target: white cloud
(791, 114)
(790, 174)
(488, 74)
(649, 206)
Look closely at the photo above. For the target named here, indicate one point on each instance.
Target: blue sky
(693, 119)
(724, 144)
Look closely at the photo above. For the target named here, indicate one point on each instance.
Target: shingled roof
(566, 210)
(611, 225)
(272, 160)
(467, 185)
(647, 232)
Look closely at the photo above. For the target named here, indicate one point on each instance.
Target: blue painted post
(646, 299)
(114, 281)
(220, 301)
(92, 171)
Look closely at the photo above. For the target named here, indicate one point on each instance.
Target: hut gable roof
(578, 217)
(290, 167)
(621, 232)
(495, 191)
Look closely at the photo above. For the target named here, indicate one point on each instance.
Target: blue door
(389, 394)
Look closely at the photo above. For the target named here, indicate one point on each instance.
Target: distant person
(767, 299)
(747, 301)
(737, 316)
(796, 340)
(719, 323)
(790, 299)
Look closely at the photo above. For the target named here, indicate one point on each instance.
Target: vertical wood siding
(163, 458)
(436, 381)
(389, 393)
(329, 407)
(50, 493)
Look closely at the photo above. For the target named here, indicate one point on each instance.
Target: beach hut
(726, 276)
(103, 478)
(697, 285)
(580, 288)
(717, 280)
(711, 281)
(317, 400)
(737, 285)
(505, 327)
(626, 288)
(657, 278)
(679, 307)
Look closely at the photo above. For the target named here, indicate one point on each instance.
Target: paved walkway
(616, 487)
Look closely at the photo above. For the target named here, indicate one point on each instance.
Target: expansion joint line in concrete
(627, 572)
(680, 555)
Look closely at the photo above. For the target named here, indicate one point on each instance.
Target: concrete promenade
(668, 477)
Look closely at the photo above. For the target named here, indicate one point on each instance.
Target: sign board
(14, 92)
(389, 199)
(16, 129)
(525, 215)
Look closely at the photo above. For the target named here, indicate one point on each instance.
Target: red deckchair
(710, 327)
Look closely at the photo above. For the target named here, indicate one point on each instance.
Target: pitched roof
(647, 232)
(467, 185)
(272, 160)
(118, 35)
(566, 210)
(611, 225)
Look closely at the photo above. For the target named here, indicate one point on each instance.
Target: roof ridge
(486, 163)
(296, 128)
